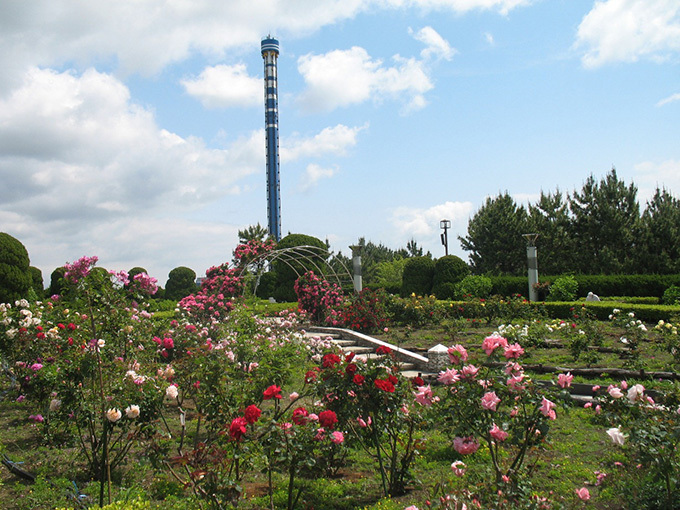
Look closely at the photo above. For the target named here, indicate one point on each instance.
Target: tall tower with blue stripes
(270, 54)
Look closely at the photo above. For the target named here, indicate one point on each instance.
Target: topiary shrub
(564, 288)
(449, 271)
(474, 286)
(58, 285)
(181, 282)
(15, 275)
(417, 277)
(37, 283)
(671, 295)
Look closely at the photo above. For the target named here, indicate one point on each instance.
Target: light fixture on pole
(445, 225)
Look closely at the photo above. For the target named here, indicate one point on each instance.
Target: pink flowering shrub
(214, 301)
(321, 300)
(497, 407)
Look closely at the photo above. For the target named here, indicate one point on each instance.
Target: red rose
(393, 379)
(252, 413)
(384, 385)
(358, 379)
(330, 360)
(349, 357)
(272, 392)
(383, 349)
(300, 416)
(237, 429)
(417, 381)
(327, 418)
(351, 368)
(311, 376)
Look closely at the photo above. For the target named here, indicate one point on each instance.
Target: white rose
(617, 436)
(132, 411)
(171, 391)
(113, 415)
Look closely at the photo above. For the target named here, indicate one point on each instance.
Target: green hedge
(650, 285)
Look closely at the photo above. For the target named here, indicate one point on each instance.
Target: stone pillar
(356, 265)
(438, 358)
(532, 260)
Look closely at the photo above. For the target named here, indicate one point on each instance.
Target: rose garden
(223, 401)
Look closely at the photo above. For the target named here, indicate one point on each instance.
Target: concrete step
(357, 349)
(344, 343)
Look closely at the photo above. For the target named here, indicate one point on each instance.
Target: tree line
(597, 230)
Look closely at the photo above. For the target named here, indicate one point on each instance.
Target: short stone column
(438, 358)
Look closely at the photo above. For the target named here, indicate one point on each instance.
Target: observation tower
(270, 54)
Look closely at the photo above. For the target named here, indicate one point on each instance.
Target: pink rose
(465, 445)
(490, 400)
(583, 494)
(457, 353)
(513, 351)
(337, 437)
(458, 468)
(564, 380)
(498, 433)
(548, 409)
(448, 376)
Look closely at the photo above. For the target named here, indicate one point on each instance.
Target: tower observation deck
(270, 53)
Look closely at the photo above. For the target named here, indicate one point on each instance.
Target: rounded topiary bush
(181, 282)
(15, 274)
(417, 277)
(449, 271)
(37, 281)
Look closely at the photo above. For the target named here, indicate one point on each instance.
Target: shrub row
(603, 285)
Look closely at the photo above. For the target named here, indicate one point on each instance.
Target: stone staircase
(364, 347)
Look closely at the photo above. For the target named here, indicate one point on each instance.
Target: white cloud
(224, 86)
(332, 140)
(488, 37)
(425, 222)
(502, 6)
(342, 78)
(669, 99)
(437, 46)
(627, 30)
(313, 174)
(649, 175)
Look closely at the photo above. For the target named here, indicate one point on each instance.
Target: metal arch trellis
(312, 255)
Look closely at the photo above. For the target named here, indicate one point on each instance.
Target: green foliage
(564, 288)
(659, 244)
(37, 281)
(15, 275)
(671, 295)
(449, 271)
(293, 267)
(605, 225)
(550, 218)
(181, 282)
(58, 285)
(475, 286)
(388, 275)
(417, 277)
(494, 237)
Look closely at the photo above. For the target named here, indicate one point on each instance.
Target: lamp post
(532, 262)
(356, 266)
(445, 225)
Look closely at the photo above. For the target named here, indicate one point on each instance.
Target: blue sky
(134, 131)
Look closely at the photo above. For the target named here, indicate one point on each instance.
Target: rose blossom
(513, 351)
(490, 400)
(615, 392)
(469, 371)
(252, 414)
(564, 380)
(327, 418)
(237, 429)
(465, 445)
(490, 343)
(548, 409)
(636, 392)
(448, 376)
(457, 353)
(458, 468)
(617, 436)
(300, 416)
(583, 494)
(113, 415)
(498, 433)
(132, 411)
(171, 391)
(337, 437)
(272, 392)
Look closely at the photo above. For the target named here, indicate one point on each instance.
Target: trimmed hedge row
(652, 285)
